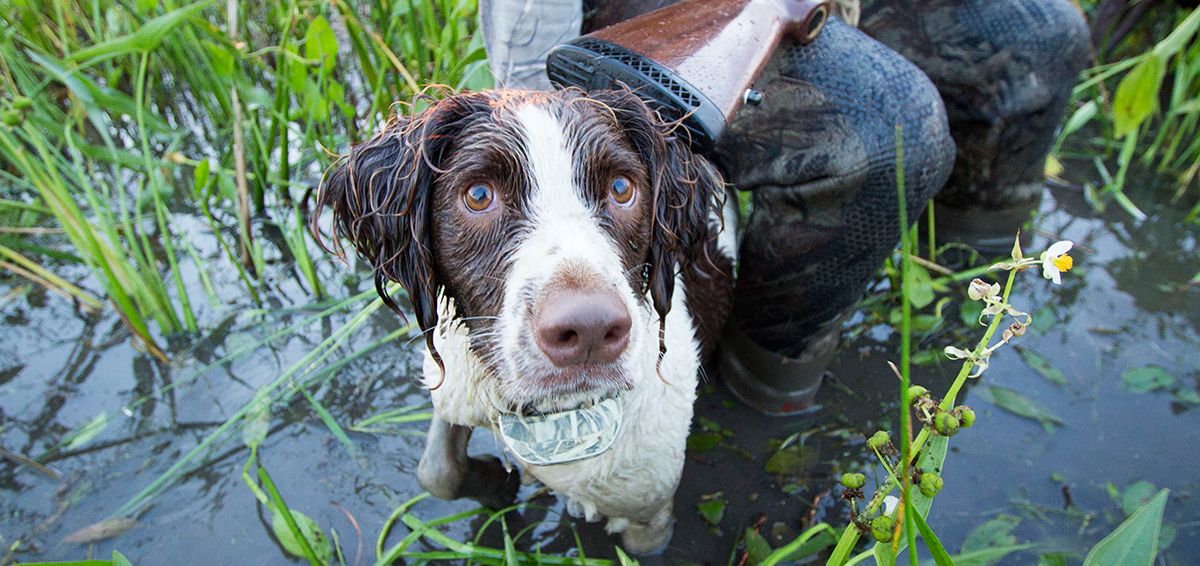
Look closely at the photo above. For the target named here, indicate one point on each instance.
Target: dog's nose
(575, 327)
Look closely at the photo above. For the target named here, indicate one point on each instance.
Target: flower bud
(1018, 329)
(916, 392)
(945, 424)
(853, 481)
(882, 527)
(977, 289)
(966, 416)
(12, 117)
(930, 484)
(878, 440)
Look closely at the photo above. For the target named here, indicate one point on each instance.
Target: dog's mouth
(563, 436)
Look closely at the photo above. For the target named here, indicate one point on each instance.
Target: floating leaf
(790, 461)
(309, 528)
(1137, 94)
(995, 533)
(119, 559)
(703, 441)
(1022, 406)
(258, 420)
(1189, 396)
(102, 530)
(1137, 495)
(713, 508)
(1135, 541)
(1146, 379)
(757, 547)
(1042, 365)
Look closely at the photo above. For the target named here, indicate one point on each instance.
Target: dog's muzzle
(564, 436)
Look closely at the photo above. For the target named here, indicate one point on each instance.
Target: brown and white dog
(558, 248)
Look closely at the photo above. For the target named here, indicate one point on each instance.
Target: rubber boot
(772, 383)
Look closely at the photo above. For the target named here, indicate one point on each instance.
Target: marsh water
(1058, 483)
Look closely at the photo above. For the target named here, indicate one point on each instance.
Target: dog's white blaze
(634, 482)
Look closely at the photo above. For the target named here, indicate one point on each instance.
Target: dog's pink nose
(575, 327)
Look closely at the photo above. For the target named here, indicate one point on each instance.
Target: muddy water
(1126, 305)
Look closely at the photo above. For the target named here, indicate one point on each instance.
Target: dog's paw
(652, 538)
(489, 483)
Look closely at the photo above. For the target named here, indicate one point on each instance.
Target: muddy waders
(818, 153)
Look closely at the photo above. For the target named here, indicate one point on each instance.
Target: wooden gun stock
(694, 60)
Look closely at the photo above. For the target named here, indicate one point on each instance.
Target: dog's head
(552, 220)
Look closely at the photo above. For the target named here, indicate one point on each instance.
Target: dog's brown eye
(479, 198)
(621, 190)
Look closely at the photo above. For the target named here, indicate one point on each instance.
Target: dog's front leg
(447, 472)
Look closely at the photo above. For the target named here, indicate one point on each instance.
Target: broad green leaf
(311, 531)
(320, 43)
(988, 555)
(1022, 406)
(624, 559)
(1137, 495)
(995, 533)
(1178, 38)
(1189, 396)
(1137, 94)
(119, 559)
(757, 547)
(1042, 366)
(1135, 541)
(703, 441)
(145, 38)
(258, 420)
(1146, 379)
(920, 287)
(940, 556)
(713, 509)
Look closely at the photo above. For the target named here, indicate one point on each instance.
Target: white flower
(981, 361)
(979, 289)
(1055, 261)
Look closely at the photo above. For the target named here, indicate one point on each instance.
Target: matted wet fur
(489, 208)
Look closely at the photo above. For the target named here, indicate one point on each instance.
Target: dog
(560, 250)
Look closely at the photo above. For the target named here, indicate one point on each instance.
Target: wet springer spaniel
(570, 262)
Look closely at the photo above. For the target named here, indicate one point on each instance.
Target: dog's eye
(479, 198)
(621, 190)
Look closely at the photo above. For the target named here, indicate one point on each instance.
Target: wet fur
(472, 278)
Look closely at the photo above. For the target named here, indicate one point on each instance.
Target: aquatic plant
(121, 120)
(1153, 108)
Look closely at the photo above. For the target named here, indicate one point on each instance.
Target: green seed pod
(12, 117)
(881, 528)
(945, 424)
(966, 416)
(853, 481)
(930, 484)
(22, 103)
(878, 440)
(916, 392)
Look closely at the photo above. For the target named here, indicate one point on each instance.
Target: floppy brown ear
(687, 191)
(381, 197)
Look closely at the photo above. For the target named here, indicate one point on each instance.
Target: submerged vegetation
(155, 155)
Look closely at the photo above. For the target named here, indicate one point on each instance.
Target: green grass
(118, 117)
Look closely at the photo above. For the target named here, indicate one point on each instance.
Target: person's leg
(1005, 69)
(819, 157)
(518, 34)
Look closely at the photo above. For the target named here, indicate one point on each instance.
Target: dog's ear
(381, 196)
(687, 191)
